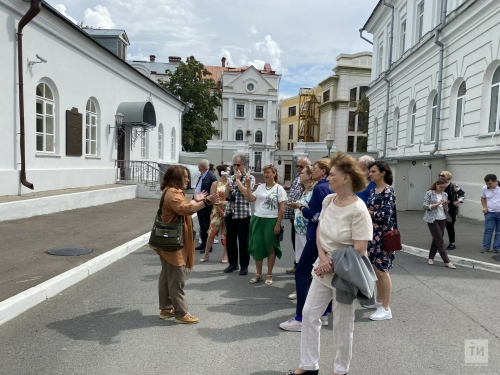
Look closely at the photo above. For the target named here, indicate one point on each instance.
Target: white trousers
(300, 243)
(318, 297)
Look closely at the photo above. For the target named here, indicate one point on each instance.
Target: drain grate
(69, 251)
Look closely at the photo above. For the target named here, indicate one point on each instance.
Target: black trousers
(204, 221)
(450, 227)
(237, 234)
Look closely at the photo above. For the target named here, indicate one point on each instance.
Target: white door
(420, 181)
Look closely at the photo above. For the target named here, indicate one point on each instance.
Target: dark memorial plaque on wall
(74, 126)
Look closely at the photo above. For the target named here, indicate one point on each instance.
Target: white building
(71, 96)
(443, 109)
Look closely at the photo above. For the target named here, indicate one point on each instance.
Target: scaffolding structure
(308, 120)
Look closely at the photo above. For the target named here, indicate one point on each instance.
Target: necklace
(339, 201)
(270, 187)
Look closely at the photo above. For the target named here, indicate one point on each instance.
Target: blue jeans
(491, 223)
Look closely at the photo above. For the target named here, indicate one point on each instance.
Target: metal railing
(148, 173)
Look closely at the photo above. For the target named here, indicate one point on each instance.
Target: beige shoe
(431, 262)
(450, 265)
(187, 319)
(165, 314)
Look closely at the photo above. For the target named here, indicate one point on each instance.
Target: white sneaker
(216, 240)
(376, 305)
(199, 239)
(381, 314)
(324, 320)
(292, 295)
(291, 325)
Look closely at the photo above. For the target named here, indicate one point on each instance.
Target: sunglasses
(441, 175)
(236, 165)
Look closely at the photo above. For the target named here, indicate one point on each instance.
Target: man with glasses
(295, 193)
(237, 216)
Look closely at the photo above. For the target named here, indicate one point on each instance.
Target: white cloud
(253, 30)
(270, 49)
(138, 57)
(62, 9)
(98, 19)
(259, 64)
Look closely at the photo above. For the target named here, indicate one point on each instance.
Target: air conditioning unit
(249, 132)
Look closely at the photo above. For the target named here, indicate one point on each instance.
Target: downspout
(35, 8)
(362, 37)
(386, 79)
(440, 74)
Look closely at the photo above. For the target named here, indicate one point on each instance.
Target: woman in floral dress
(382, 208)
(217, 226)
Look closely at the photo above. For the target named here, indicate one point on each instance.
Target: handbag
(167, 236)
(391, 240)
(282, 230)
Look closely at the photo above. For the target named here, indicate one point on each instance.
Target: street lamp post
(329, 144)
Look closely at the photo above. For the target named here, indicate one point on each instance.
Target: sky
(300, 39)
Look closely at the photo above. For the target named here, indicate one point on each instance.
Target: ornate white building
(435, 94)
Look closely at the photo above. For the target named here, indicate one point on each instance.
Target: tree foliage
(191, 82)
(363, 111)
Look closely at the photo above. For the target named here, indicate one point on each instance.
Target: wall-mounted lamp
(118, 122)
(42, 60)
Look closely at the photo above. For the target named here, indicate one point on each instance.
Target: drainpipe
(35, 8)
(440, 74)
(362, 37)
(386, 79)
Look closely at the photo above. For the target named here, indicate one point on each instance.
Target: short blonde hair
(447, 175)
(273, 169)
(349, 166)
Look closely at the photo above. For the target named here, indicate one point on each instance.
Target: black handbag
(282, 230)
(167, 237)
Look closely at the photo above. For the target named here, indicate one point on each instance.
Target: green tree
(363, 112)
(192, 83)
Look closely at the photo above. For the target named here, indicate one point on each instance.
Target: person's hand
(229, 187)
(247, 179)
(325, 266)
(456, 203)
(293, 205)
(214, 198)
(445, 203)
(200, 196)
(277, 228)
(238, 174)
(485, 210)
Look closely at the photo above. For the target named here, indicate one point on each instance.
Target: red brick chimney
(223, 62)
(152, 58)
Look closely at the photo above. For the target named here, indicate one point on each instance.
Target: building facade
(74, 88)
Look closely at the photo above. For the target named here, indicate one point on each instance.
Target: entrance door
(420, 181)
(258, 161)
(120, 157)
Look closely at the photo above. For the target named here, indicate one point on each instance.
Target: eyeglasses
(236, 165)
(441, 175)
(299, 166)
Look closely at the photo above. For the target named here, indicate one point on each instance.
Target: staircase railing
(145, 172)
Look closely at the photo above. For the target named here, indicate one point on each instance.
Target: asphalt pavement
(108, 324)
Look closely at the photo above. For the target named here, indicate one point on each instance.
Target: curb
(16, 305)
(465, 262)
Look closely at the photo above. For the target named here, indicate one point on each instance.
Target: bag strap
(395, 210)
(162, 200)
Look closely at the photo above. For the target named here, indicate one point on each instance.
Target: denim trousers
(491, 224)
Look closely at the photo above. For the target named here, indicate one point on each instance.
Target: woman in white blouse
(344, 221)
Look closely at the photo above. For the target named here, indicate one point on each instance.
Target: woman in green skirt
(265, 224)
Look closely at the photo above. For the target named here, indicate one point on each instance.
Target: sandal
(255, 279)
(269, 280)
(203, 259)
(224, 261)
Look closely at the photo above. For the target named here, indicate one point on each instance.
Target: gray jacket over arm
(354, 277)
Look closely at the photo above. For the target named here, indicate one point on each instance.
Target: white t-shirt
(492, 198)
(339, 226)
(267, 201)
(440, 215)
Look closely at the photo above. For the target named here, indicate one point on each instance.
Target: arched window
(459, 121)
(45, 118)
(172, 146)
(91, 128)
(160, 142)
(396, 128)
(258, 136)
(412, 123)
(433, 118)
(494, 124)
(239, 135)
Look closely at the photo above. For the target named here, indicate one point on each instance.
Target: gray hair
(308, 161)
(367, 159)
(205, 163)
(243, 158)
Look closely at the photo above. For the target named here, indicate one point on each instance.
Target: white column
(270, 132)
(230, 117)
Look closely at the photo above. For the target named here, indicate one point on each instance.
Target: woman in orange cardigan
(174, 264)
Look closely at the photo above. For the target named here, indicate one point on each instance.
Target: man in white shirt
(490, 200)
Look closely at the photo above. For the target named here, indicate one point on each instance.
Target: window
(352, 122)
(258, 136)
(375, 134)
(403, 38)
(361, 143)
(239, 135)
(172, 146)
(326, 96)
(250, 87)
(290, 131)
(144, 144)
(412, 124)
(258, 161)
(160, 142)
(350, 143)
(362, 91)
(433, 118)
(420, 20)
(91, 128)
(45, 120)
(380, 66)
(362, 124)
(288, 172)
(240, 110)
(396, 130)
(259, 111)
(352, 97)
(292, 111)
(459, 122)
(494, 124)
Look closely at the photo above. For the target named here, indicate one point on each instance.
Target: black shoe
(201, 247)
(203, 250)
(244, 271)
(308, 372)
(451, 247)
(231, 268)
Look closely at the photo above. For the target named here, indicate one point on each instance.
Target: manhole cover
(496, 257)
(69, 251)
